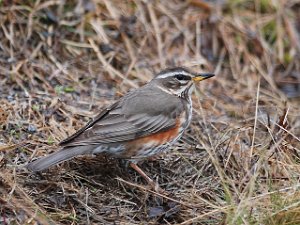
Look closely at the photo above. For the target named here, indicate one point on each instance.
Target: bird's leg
(151, 182)
(142, 173)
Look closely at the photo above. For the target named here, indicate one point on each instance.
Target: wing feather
(130, 118)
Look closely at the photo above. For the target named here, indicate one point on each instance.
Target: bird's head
(179, 81)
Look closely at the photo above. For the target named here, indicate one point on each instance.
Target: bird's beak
(203, 76)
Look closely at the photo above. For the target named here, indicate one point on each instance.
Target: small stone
(31, 128)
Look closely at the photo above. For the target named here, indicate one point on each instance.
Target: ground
(61, 62)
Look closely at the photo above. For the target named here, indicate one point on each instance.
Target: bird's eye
(181, 77)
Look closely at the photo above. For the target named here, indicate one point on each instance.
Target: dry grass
(61, 63)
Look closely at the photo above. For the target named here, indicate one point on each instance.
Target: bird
(143, 123)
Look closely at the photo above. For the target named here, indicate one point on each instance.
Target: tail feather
(59, 156)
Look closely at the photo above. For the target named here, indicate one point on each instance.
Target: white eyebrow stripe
(169, 74)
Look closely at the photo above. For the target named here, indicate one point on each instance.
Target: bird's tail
(59, 156)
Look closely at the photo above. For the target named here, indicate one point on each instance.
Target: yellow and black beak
(202, 76)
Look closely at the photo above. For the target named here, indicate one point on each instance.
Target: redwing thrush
(143, 123)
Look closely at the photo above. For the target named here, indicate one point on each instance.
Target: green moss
(287, 58)
(262, 6)
(238, 39)
(63, 89)
(266, 6)
(50, 141)
(69, 89)
(35, 107)
(269, 32)
(58, 89)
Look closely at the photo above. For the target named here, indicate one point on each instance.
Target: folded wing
(129, 119)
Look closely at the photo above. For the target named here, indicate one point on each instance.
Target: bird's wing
(140, 113)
